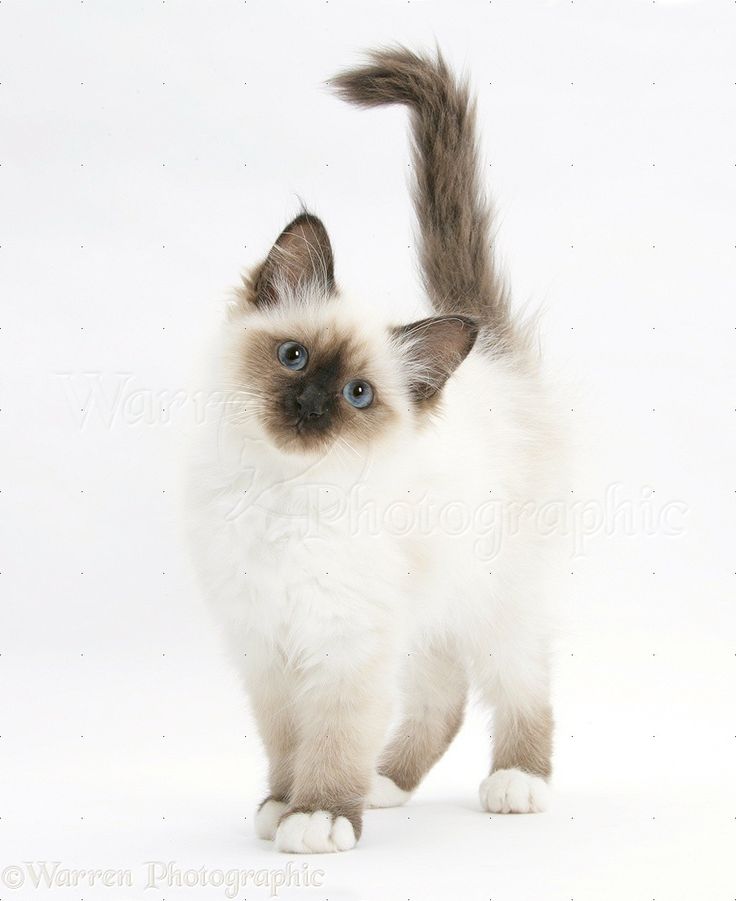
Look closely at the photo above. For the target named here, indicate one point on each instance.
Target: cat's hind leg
(516, 685)
(435, 691)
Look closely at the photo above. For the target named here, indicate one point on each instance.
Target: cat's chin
(303, 446)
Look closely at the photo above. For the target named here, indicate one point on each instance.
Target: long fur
(371, 572)
(453, 215)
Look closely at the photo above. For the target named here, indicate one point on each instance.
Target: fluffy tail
(456, 255)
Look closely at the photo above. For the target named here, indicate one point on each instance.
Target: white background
(150, 150)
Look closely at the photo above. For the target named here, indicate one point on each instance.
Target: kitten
(346, 504)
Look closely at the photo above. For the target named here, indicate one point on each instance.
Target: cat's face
(314, 377)
(316, 382)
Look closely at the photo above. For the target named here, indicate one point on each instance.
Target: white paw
(514, 791)
(267, 818)
(310, 833)
(385, 792)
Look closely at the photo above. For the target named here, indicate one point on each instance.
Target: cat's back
(496, 429)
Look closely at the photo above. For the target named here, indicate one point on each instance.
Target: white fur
(274, 566)
(316, 832)
(267, 819)
(513, 791)
(386, 793)
(332, 599)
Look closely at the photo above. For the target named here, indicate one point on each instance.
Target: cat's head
(311, 372)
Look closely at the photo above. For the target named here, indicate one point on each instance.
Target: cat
(345, 504)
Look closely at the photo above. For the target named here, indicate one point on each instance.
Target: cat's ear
(433, 349)
(300, 258)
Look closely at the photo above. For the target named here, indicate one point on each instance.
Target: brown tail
(454, 218)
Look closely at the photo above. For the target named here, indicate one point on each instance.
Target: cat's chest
(285, 536)
(293, 569)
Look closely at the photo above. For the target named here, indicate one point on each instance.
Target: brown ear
(434, 348)
(301, 257)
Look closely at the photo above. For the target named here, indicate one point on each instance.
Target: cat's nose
(312, 402)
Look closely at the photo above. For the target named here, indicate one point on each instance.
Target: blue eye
(358, 393)
(293, 355)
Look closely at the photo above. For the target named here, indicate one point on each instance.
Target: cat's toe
(314, 833)
(386, 793)
(514, 791)
(267, 818)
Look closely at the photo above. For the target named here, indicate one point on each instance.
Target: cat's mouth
(302, 433)
(309, 424)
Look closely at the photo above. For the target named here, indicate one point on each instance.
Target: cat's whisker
(244, 415)
(308, 595)
(347, 444)
(239, 395)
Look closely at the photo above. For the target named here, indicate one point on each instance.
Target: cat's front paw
(315, 832)
(514, 791)
(267, 818)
